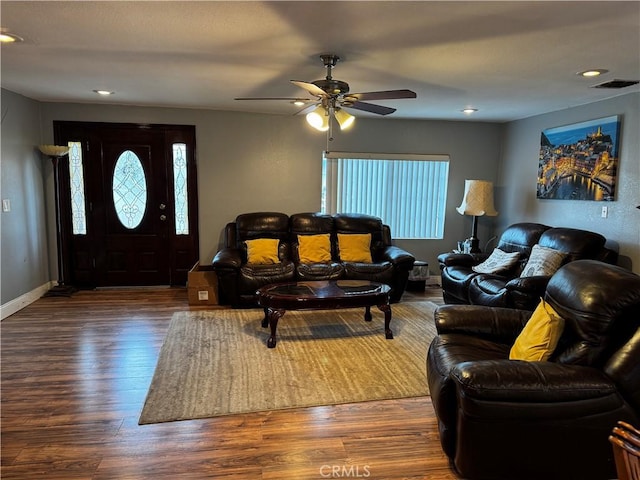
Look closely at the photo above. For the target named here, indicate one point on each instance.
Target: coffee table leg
(367, 314)
(265, 320)
(387, 320)
(274, 316)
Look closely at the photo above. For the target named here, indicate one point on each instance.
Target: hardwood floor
(74, 376)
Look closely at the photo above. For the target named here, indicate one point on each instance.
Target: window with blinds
(408, 192)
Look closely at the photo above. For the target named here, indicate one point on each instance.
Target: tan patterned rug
(216, 362)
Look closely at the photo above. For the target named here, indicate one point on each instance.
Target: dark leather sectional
(239, 280)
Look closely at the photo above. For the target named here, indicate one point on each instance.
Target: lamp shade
(477, 199)
(344, 119)
(54, 150)
(319, 119)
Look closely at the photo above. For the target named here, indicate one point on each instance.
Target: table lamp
(477, 201)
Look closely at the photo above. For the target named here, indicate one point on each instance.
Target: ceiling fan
(332, 95)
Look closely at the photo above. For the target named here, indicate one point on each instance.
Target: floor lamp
(55, 153)
(477, 201)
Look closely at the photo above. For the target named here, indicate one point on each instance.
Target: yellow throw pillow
(355, 247)
(262, 250)
(539, 337)
(314, 248)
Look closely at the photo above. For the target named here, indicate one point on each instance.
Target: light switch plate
(6, 205)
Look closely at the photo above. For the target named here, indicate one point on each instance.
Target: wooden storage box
(202, 285)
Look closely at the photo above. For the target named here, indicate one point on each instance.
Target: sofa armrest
(461, 259)
(532, 382)
(400, 258)
(530, 285)
(227, 259)
(499, 324)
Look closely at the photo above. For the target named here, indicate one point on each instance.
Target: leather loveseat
(512, 287)
(516, 419)
(238, 279)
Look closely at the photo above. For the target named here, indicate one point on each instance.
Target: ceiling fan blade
(293, 99)
(383, 95)
(370, 107)
(311, 88)
(307, 109)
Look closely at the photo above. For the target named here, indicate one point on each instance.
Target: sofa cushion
(543, 261)
(314, 248)
(320, 271)
(262, 251)
(540, 335)
(355, 247)
(498, 261)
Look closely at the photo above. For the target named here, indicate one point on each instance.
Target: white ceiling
(510, 60)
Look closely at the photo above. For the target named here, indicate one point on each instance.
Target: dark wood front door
(132, 236)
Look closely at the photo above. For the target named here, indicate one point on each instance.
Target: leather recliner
(510, 419)
(461, 284)
(496, 290)
(239, 280)
(457, 268)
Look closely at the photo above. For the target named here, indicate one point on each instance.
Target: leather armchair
(508, 419)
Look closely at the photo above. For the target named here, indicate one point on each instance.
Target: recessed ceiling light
(469, 110)
(104, 92)
(592, 72)
(6, 37)
(299, 103)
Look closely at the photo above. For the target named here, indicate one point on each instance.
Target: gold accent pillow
(314, 248)
(262, 251)
(355, 247)
(539, 337)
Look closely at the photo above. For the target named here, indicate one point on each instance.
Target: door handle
(162, 206)
(163, 217)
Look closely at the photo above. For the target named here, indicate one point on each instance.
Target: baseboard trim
(17, 304)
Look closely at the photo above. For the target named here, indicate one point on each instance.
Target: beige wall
(518, 171)
(251, 162)
(24, 248)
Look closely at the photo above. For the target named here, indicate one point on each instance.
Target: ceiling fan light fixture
(594, 72)
(344, 119)
(318, 119)
(6, 37)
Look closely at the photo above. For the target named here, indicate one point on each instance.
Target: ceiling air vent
(616, 84)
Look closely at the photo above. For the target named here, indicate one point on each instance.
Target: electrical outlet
(605, 212)
(6, 205)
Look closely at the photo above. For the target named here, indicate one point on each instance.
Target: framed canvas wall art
(579, 161)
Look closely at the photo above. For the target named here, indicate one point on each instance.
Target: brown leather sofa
(513, 419)
(462, 285)
(239, 280)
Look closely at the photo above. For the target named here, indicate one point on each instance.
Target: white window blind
(408, 192)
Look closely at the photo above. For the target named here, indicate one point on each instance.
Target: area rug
(215, 363)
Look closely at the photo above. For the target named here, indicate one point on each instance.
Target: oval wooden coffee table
(276, 299)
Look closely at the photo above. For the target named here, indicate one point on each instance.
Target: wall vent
(616, 84)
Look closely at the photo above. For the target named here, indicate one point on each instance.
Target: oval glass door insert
(129, 189)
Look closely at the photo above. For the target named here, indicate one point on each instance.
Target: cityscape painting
(579, 161)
